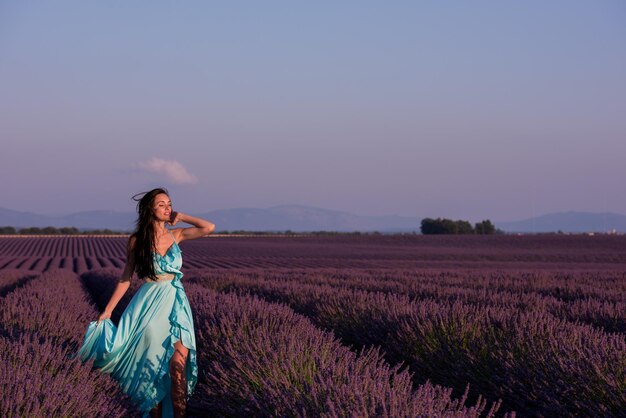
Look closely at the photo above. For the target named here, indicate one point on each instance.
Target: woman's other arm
(123, 284)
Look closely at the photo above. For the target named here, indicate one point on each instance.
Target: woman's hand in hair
(175, 217)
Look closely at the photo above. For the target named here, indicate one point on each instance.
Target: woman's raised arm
(201, 227)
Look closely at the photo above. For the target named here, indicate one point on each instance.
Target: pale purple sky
(469, 110)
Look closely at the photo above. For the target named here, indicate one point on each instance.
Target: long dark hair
(144, 233)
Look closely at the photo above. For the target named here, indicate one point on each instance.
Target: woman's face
(162, 207)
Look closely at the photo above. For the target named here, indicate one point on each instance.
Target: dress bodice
(171, 262)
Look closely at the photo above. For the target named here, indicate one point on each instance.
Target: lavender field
(346, 326)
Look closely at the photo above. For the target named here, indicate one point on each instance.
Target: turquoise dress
(137, 352)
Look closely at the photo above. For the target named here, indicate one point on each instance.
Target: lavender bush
(38, 380)
(11, 279)
(591, 298)
(291, 368)
(41, 326)
(500, 350)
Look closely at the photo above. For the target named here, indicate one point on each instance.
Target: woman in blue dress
(152, 351)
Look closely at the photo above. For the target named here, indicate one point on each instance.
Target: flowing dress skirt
(138, 351)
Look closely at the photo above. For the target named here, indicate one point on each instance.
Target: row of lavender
(12, 279)
(594, 298)
(78, 265)
(504, 343)
(262, 359)
(42, 322)
(82, 264)
(570, 285)
(73, 246)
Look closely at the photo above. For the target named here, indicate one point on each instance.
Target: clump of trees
(485, 228)
(439, 226)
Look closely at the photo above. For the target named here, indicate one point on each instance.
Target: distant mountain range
(277, 218)
(568, 222)
(306, 218)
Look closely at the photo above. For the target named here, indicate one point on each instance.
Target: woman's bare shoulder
(178, 234)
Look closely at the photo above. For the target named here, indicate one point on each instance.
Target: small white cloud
(172, 170)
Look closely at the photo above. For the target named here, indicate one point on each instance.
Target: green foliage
(485, 228)
(441, 226)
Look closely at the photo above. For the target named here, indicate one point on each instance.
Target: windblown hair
(144, 234)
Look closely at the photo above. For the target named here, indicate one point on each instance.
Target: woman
(152, 351)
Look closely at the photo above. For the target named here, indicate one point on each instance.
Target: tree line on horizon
(51, 230)
(444, 226)
(429, 226)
